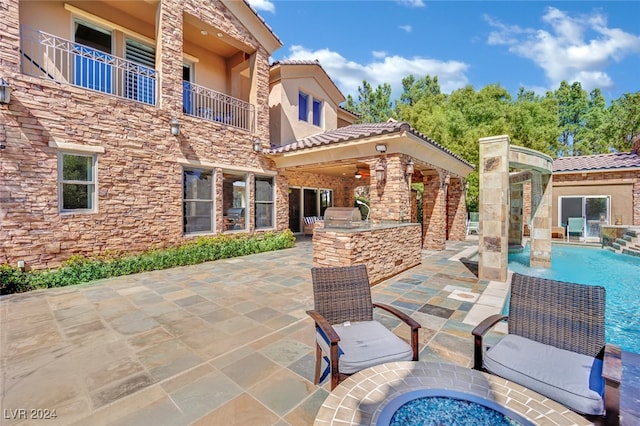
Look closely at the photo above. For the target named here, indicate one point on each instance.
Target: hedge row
(80, 269)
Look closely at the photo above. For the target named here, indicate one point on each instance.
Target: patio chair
(556, 347)
(474, 223)
(575, 226)
(347, 336)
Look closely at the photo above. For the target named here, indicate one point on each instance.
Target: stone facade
(139, 163)
(386, 251)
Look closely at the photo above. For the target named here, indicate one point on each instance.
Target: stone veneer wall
(386, 251)
(139, 175)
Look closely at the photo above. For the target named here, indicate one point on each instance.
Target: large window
(234, 201)
(198, 200)
(265, 211)
(76, 182)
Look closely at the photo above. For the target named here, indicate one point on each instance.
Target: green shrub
(79, 269)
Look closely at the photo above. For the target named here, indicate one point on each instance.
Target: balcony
(218, 107)
(47, 56)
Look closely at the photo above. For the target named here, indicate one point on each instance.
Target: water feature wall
(503, 171)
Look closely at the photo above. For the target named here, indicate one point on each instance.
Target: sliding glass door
(593, 209)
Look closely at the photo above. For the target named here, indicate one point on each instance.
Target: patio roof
(359, 140)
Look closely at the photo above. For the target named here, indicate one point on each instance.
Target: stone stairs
(628, 244)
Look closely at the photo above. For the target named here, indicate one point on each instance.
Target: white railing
(47, 56)
(210, 105)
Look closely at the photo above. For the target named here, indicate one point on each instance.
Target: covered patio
(387, 158)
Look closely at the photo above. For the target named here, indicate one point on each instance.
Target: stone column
(541, 198)
(456, 211)
(494, 208)
(434, 212)
(390, 199)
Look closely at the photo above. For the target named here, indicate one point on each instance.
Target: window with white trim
(264, 202)
(76, 182)
(197, 200)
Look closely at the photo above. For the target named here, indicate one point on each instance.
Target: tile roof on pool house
(601, 162)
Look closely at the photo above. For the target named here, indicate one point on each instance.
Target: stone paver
(226, 341)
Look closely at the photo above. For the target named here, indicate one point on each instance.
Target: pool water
(438, 411)
(619, 274)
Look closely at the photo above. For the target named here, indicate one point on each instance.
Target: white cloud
(571, 48)
(379, 53)
(262, 5)
(406, 28)
(411, 3)
(348, 75)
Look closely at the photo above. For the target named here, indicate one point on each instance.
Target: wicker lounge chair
(556, 346)
(347, 336)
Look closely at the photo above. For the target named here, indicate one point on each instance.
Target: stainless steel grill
(342, 217)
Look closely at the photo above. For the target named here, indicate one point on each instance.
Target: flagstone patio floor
(221, 343)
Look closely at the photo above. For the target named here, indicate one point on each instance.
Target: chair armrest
(612, 365)
(612, 374)
(478, 333)
(415, 325)
(398, 313)
(324, 326)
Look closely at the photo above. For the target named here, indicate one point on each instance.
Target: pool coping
(360, 399)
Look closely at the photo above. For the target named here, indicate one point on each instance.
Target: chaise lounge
(556, 347)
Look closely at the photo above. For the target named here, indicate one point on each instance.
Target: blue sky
(533, 44)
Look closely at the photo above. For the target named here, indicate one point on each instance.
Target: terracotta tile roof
(359, 131)
(621, 160)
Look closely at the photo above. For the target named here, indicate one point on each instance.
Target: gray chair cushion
(365, 344)
(555, 373)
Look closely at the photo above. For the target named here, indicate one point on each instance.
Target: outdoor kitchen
(385, 248)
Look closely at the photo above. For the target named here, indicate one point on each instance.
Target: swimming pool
(618, 274)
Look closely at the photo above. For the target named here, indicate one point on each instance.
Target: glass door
(596, 213)
(295, 201)
(593, 209)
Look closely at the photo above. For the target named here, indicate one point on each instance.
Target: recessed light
(220, 35)
(204, 32)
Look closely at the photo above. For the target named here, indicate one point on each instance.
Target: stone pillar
(515, 223)
(456, 211)
(390, 199)
(434, 212)
(494, 208)
(541, 198)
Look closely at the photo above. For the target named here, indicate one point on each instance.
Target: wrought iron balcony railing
(48, 56)
(210, 105)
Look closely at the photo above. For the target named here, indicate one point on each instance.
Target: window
(198, 200)
(303, 106)
(234, 201)
(317, 112)
(264, 202)
(76, 182)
